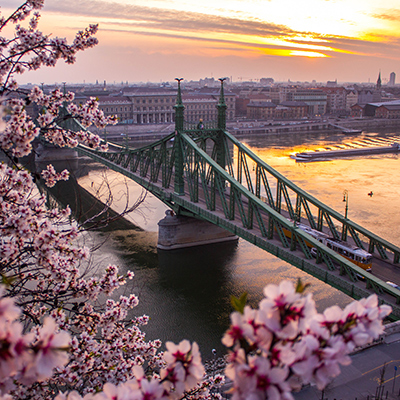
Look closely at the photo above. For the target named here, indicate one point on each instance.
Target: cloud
(158, 18)
(234, 33)
(388, 15)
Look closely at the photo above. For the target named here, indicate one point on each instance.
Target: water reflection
(200, 279)
(359, 175)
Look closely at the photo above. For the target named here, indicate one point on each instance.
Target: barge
(362, 151)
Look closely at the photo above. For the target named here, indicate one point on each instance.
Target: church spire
(379, 81)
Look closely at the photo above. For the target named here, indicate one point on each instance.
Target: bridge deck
(183, 204)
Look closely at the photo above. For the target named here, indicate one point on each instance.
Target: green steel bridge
(203, 171)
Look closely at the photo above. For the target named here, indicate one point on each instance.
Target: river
(187, 292)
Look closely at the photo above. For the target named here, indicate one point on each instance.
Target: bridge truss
(205, 172)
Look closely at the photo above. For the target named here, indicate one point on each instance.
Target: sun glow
(310, 29)
(339, 31)
(312, 54)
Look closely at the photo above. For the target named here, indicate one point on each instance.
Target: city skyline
(157, 40)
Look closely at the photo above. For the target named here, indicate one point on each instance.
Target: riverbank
(148, 132)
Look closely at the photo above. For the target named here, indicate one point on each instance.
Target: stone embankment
(121, 133)
(255, 128)
(391, 333)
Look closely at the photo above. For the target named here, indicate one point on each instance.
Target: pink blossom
(50, 351)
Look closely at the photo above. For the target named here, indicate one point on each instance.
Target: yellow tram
(352, 253)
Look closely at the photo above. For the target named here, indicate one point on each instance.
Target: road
(360, 380)
(386, 270)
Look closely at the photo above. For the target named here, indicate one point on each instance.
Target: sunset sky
(158, 40)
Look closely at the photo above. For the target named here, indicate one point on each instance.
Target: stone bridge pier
(177, 232)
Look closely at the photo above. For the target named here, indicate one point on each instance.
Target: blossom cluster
(184, 371)
(18, 134)
(29, 49)
(31, 357)
(41, 261)
(51, 176)
(285, 343)
(46, 269)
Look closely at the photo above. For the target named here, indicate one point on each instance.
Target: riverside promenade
(373, 374)
(244, 128)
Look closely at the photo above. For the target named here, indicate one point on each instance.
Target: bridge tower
(221, 154)
(179, 183)
(219, 138)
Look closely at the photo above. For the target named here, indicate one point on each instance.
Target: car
(393, 285)
(313, 252)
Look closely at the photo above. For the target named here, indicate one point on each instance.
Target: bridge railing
(282, 193)
(209, 183)
(200, 126)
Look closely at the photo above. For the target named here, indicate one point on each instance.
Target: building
(241, 103)
(152, 105)
(351, 99)
(335, 100)
(315, 99)
(285, 93)
(266, 81)
(213, 99)
(264, 110)
(390, 111)
(365, 96)
(155, 105)
(261, 110)
(357, 110)
(377, 93)
(392, 80)
(117, 105)
(379, 82)
(200, 106)
(331, 83)
(295, 110)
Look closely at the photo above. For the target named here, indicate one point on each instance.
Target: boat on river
(351, 131)
(308, 156)
(346, 131)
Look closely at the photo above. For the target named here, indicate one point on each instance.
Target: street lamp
(346, 199)
(346, 209)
